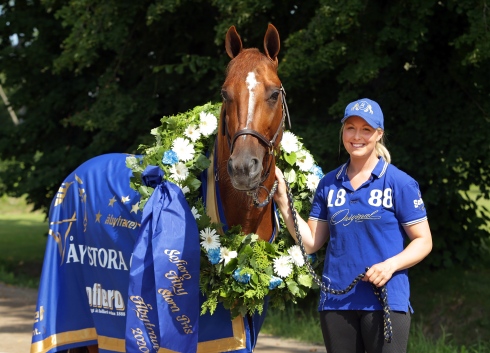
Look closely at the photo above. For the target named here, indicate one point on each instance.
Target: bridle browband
(269, 143)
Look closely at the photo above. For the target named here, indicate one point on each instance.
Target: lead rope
(381, 292)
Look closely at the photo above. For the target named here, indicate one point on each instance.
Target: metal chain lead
(381, 293)
(268, 198)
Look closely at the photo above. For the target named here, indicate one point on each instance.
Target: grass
(22, 240)
(452, 310)
(451, 315)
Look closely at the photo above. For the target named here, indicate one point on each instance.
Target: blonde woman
(367, 209)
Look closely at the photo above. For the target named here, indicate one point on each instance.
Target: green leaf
(290, 158)
(305, 280)
(201, 162)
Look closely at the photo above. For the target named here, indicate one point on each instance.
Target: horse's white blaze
(251, 84)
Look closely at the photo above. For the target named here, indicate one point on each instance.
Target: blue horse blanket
(123, 279)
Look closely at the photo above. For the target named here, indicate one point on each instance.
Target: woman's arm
(313, 234)
(419, 247)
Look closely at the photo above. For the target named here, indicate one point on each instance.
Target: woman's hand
(380, 273)
(280, 196)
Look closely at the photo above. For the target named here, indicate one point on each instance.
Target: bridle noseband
(271, 144)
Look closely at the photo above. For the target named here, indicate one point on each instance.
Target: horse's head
(252, 113)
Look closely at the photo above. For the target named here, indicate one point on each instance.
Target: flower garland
(237, 269)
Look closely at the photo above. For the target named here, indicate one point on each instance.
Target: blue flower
(245, 278)
(170, 157)
(316, 170)
(214, 255)
(275, 282)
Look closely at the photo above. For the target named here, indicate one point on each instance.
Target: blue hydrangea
(275, 282)
(170, 157)
(316, 170)
(245, 278)
(214, 255)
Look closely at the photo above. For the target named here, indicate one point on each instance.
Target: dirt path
(17, 306)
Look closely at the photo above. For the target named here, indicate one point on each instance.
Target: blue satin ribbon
(163, 305)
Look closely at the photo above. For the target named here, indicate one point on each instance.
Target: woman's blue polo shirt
(366, 227)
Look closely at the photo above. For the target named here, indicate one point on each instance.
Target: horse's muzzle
(245, 173)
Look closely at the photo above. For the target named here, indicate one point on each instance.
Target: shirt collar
(378, 171)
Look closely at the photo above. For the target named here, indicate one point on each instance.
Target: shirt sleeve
(409, 206)
(319, 209)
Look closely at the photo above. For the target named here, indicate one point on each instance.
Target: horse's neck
(239, 210)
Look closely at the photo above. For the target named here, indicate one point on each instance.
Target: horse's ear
(272, 43)
(233, 42)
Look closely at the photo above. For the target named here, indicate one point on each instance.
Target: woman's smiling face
(359, 137)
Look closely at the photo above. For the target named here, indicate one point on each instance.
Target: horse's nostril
(248, 168)
(254, 166)
(230, 166)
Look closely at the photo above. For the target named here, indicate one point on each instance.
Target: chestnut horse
(251, 125)
(82, 215)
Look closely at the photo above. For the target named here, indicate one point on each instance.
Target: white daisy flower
(192, 132)
(312, 181)
(209, 123)
(210, 240)
(289, 142)
(296, 255)
(179, 171)
(195, 213)
(283, 266)
(226, 255)
(304, 160)
(184, 149)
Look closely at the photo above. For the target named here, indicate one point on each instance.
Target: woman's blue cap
(367, 109)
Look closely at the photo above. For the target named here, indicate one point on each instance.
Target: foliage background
(88, 77)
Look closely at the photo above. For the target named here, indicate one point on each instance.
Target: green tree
(90, 77)
(427, 64)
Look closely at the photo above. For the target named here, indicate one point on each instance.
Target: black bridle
(270, 144)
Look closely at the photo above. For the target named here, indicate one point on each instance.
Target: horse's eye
(224, 94)
(274, 96)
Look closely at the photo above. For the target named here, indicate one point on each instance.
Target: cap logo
(364, 106)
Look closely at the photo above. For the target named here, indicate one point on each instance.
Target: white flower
(195, 213)
(210, 240)
(183, 148)
(304, 161)
(184, 189)
(192, 132)
(179, 171)
(283, 266)
(312, 181)
(209, 123)
(226, 255)
(289, 142)
(296, 255)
